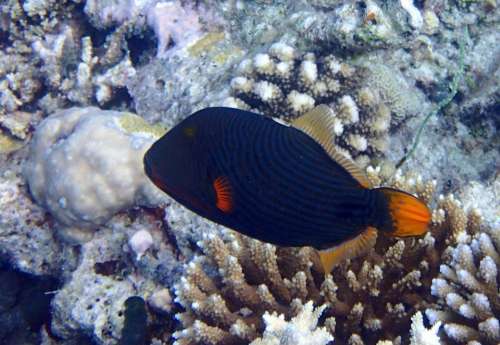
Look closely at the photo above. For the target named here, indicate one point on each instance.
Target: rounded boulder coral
(85, 164)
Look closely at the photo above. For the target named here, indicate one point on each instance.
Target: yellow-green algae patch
(224, 56)
(9, 144)
(205, 43)
(134, 124)
(17, 124)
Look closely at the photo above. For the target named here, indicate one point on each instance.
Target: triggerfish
(281, 184)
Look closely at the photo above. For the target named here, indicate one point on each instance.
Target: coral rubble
(105, 274)
(26, 238)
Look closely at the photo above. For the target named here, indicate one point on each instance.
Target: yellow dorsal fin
(318, 124)
(355, 247)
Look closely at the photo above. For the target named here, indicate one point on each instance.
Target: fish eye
(189, 132)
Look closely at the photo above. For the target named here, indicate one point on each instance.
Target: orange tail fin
(410, 216)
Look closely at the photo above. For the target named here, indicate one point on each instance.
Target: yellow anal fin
(355, 247)
(319, 124)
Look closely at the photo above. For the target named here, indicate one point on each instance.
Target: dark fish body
(135, 325)
(264, 179)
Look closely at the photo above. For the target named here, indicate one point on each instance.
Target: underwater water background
(92, 251)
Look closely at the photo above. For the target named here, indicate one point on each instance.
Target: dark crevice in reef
(495, 111)
(97, 36)
(4, 39)
(483, 123)
(24, 305)
(121, 99)
(25, 308)
(141, 47)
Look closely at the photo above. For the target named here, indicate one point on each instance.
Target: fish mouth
(152, 172)
(147, 164)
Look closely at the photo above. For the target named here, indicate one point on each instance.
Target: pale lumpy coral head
(85, 164)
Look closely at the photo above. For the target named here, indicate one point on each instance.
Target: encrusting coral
(286, 83)
(103, 277)
(370, 299)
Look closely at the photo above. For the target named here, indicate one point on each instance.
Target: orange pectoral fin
(350, 249)
(224, 194)
(410, 216)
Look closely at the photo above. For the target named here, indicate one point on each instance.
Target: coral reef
(88, 82)
(49, 62)
(76, 143)
(106, 13)
(410, 75)
(381, 66)
(416, 20)
(467, 286)
(24, 306)
(301, 329)
(480, 84)
(105, 274)
(96, 298)
(26, 238)
(188, 78)
(226, 291)
(366, 101)
(354, 27)
(421, 335)
(175, 24)
(58, 54)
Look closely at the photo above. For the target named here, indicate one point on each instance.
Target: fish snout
(147, 164)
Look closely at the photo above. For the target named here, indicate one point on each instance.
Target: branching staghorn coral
(299, 330)
(420, 335)
(228, 304)
(50, 59)
(286, 83)
(95, 76)
(370, 299)
(467, 287)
